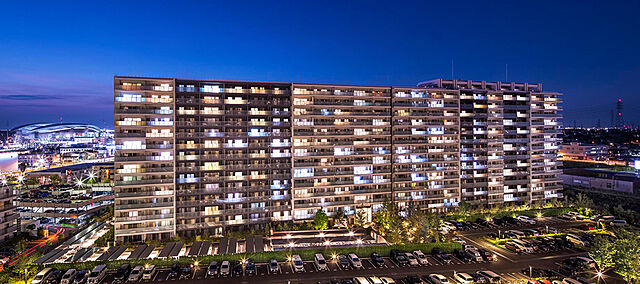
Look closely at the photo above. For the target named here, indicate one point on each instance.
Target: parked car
(68, 276)
(213, 268)
(225, 268)
(81, 277)
(355, 260)
(237, 268)
(399, 257)
(487, 255)
(422, 258)
(42, 276)
(387, 280)
(412, 279)
(149, 272)
(376, 259)
(441, 256)
(135, 275)
(250, 269)
(123, 272)
(618, 223)
(298, 266)
(490, 275)
(97, 274)
(462, 255)
(343, 261)
(174, 272)
(436, 279)
(463, 278)
(55, 277)
(413, 261)
(527, 220)
(320, 262)
(273, 266)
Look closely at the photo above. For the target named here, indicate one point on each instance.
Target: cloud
(29, 97)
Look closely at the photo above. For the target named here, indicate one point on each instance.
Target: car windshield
(66, 276)
(94, 274)
(321, 261)
(297, 262)
(356, 259)
(274, 263)
(38, 277)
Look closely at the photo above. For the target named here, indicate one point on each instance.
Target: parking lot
(508, 265)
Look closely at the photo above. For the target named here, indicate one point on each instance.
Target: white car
(526, 219)
(360, 280)
(421, 257)
(387, 280)
(320, 262)
(298, 265)
(438, 279)
(463, 278)
(375, 280)
(225, 268)
(413, 261)
(354, 260)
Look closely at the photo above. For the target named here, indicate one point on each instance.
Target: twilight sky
(59, 59)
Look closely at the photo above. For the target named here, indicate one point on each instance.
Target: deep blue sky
(59, 59)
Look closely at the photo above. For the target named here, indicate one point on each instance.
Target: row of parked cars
(483, 276)
(486, 223)
(95, 276)
(569, 272)
(549, 243)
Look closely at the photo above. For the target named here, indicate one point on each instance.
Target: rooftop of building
(595, 173)
(422, 85)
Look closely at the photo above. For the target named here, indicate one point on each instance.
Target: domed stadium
(54, 131)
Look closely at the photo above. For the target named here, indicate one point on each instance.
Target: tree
(465, 208)
(583, 203)
(340, 219)
(55, 179)
(360, 219)
(602, 252)
(22, 167)
(321, 220)
(626, 255)
(31, 181)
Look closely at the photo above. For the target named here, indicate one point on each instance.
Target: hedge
(306, 254)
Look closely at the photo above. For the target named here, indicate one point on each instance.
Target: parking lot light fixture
(350, 234)
(288, 236)
(327, 243)
(334, 256)
(321, 235)
(289, 258)
(359, 241)
(195, 263)
(292, 244)
(539, 215)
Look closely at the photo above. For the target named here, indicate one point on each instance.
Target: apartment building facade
(8, 216)
(203, 157)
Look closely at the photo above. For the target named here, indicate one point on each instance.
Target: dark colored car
(186, 272)
(376, 259)
(251, 267)
(175, 271)
(441, 256)
(399, 257)
(123, 272)
(55, 277)
(462, 255)
(237, 268)
(343, 261)
(534, 272)
(487, 255)
(412, 279)
(81, 276)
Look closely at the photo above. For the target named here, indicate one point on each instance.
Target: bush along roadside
(260, 257)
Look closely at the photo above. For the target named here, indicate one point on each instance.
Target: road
(27, 252)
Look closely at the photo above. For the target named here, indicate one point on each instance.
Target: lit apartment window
(211, 89)
(130, 98)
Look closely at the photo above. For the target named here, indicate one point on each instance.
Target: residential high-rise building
(8, 216)
(207, 156)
